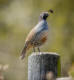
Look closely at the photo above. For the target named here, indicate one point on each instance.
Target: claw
(38, 49)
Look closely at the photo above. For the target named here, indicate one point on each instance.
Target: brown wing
(31, 35)
(37, 37)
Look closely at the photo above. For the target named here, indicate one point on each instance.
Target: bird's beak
(47, 14)
(49, 11)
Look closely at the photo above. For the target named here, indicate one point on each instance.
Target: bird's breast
(38, 34)
(41, 26)
(41, 38)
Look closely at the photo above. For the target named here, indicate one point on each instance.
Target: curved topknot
(51, 11)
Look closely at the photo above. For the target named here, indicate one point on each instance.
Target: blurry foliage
(18, 17)
(71, 71)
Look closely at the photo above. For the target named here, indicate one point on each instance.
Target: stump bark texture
(42, 65)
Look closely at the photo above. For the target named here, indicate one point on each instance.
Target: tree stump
(42, 65)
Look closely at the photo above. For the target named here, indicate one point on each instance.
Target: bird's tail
(23, 52)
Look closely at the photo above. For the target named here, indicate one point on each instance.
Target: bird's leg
(34, 49)
(38, 49)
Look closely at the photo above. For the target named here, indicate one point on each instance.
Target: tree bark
(42, 65)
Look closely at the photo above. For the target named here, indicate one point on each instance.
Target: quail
(38, 35)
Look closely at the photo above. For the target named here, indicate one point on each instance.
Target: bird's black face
(44, 15)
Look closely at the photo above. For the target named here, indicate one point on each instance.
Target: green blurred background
(18, 17)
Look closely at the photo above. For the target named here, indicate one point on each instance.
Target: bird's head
(44, 15)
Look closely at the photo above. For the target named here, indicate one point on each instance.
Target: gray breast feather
(40, 35)
(41, 26)
(40, 32)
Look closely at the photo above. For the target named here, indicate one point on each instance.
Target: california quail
(38, 35)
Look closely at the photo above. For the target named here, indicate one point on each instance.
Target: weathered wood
(41, 64)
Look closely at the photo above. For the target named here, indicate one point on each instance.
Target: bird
(38, 35)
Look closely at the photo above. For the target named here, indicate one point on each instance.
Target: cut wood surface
(43, 64)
